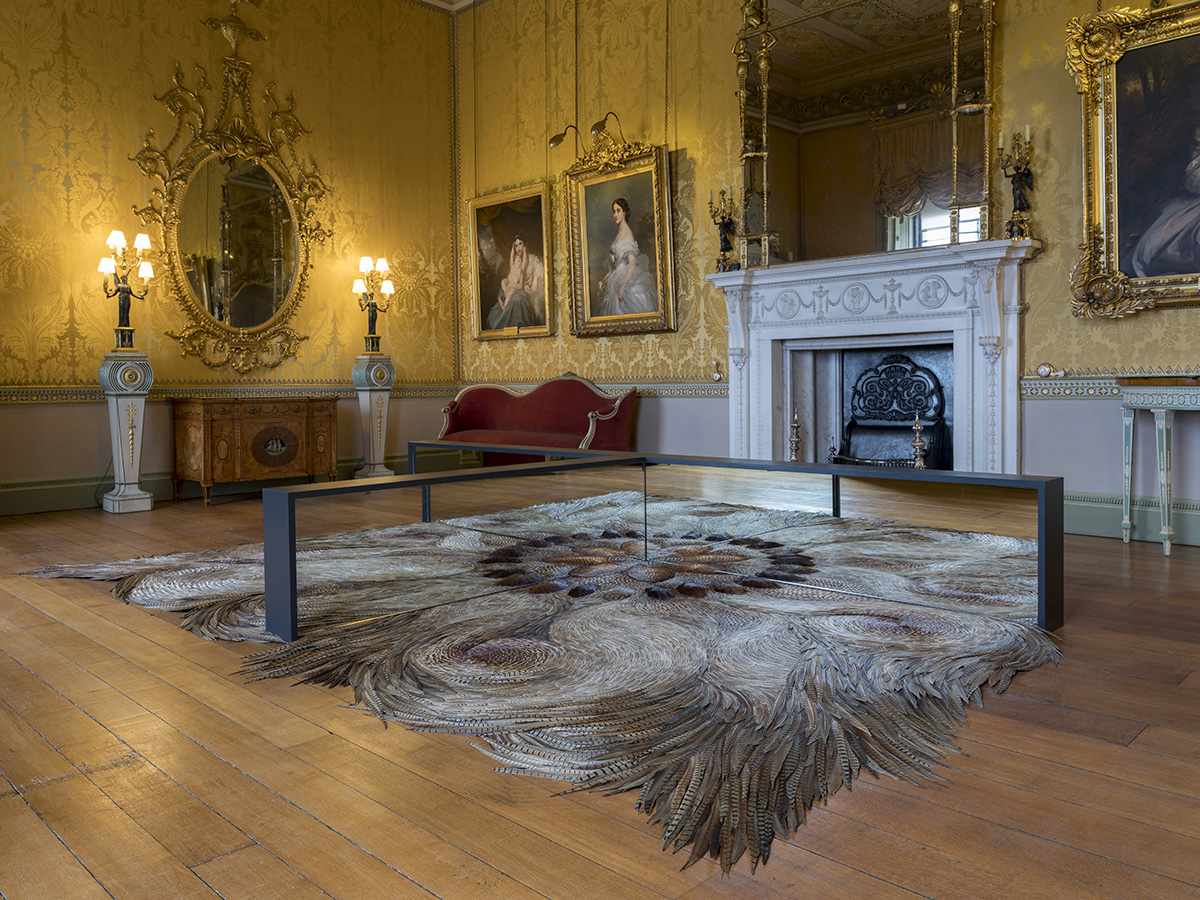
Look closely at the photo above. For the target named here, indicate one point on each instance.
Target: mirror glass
(866, 113)
(237, 241)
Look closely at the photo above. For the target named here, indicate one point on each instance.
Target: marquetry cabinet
(222, 441)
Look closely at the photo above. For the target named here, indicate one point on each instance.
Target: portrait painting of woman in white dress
(629, 286)
(621, 248)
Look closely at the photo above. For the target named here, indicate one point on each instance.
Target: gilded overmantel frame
(1135, 70)
(232, 133)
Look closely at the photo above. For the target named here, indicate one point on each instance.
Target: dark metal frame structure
(279, 508)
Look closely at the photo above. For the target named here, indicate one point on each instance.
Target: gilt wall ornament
(237, 251)
(1136, 71)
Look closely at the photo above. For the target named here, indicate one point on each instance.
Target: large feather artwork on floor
(734, 665)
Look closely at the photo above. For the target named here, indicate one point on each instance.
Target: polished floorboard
(136, 763)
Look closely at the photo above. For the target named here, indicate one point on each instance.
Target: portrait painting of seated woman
(509, 277)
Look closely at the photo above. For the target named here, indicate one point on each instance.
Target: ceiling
(864, 39)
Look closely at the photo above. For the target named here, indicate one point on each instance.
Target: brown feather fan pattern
(736, 666)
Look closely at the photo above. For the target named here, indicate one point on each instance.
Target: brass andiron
(794, 440)
(722, 216)
(1021, 176)
(918, 445)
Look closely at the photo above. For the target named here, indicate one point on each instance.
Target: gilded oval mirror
(235, 203)
(237, 241)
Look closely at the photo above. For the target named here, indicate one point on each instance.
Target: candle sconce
(1015, 166)
(374, 295)
(722, 216)
(121, 264)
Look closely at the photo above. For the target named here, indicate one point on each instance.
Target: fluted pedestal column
(126, 377)
(373, 377)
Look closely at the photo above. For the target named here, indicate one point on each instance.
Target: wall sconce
(722, 216)
(120, 264)
(562, 136)
(602, 126)
(1021, 176)
(375, 295)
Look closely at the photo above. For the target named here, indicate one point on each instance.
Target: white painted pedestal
(126, 377)
(373, 376)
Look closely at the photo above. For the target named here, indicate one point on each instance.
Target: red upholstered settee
(567, 411)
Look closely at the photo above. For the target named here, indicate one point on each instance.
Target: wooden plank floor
(136, 763)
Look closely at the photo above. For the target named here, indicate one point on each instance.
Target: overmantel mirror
(235, 204)
(865, 126)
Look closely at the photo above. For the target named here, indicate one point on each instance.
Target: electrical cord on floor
(99, 492)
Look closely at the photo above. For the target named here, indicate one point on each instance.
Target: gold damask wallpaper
(528, 68)
(412, 111)
(78, 80)
(1034, 87)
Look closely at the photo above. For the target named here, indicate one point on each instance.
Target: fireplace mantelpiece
(967, 294)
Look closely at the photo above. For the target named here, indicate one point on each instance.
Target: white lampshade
(360, 286)
(382, 265)
(116, 240)
(141, 242)
(386, 288)
(107, 266)
(365, 265)
(145, 270)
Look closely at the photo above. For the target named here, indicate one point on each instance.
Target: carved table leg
(1163, 423)
(1127, 472)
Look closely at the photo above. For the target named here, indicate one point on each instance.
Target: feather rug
(734, 665)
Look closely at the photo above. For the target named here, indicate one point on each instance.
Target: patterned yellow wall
(383, 88)
(526, 69)
(78, 78)
(1034, 87)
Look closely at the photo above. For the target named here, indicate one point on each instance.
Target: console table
(242, 439)
(1163, 397)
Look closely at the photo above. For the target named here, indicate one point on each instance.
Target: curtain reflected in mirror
(237, 241)
(876, 136)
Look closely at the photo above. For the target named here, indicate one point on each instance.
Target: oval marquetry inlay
(275, 446)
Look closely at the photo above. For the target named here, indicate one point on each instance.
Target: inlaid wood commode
(218, 441)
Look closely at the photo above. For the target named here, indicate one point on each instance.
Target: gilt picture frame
(511, 257)
(1136, 71)
(620, 233)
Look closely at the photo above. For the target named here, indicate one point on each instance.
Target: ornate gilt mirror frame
(1136, 70)
(632, 291)
(233, 133)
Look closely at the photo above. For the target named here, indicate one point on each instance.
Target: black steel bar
(279, 507)
(835, 496)
(426, 501)
(1050, 554)
(279, 564)
(279, 521)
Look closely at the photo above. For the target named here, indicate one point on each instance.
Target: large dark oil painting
(1158, 159)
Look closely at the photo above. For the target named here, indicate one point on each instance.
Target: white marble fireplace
(791, 319)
